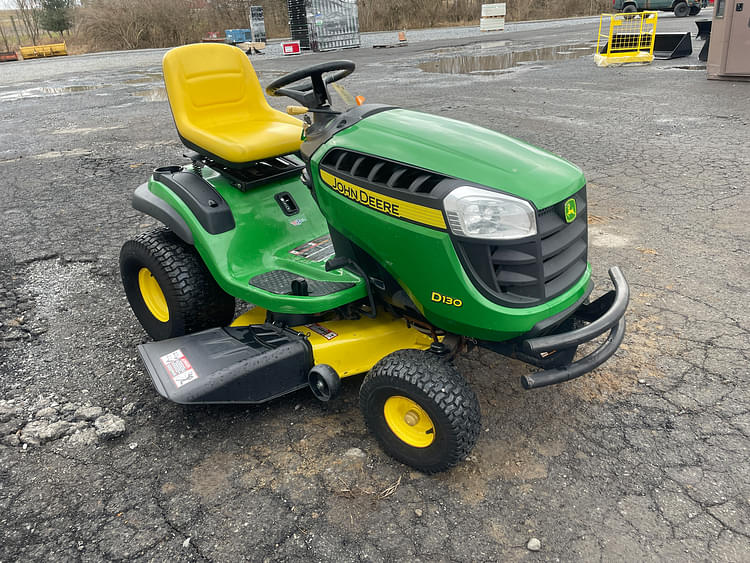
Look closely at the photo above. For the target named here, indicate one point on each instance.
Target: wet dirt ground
(645, 459)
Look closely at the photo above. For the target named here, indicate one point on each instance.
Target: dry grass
(136, 24)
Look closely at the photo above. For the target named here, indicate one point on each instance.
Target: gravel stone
(109, 426)
(30, 432)
(77, 426)
(129, 409)
(54, 431)
(10, 440)
(11, 426)
(8, 410)
(354, 452)
(48, 412)
(534, 545)
(38, 432)
(88, 413)
(85, 437)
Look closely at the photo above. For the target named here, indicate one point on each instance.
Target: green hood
(465, 151)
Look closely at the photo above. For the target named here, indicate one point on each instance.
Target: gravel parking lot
(645, 459)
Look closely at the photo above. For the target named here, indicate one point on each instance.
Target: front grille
(536, 269)
(381, 172)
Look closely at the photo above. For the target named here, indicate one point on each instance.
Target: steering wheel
(313, 93)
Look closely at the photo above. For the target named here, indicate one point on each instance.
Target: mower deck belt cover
(250, 364)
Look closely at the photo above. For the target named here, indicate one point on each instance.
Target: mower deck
(253, 362)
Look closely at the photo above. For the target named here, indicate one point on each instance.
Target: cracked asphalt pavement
(645, 459)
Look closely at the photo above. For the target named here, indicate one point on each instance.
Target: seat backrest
(212, 84)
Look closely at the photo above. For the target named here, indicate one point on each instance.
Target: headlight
(477, 213)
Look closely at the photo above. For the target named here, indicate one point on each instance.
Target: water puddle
(146, 78)
(493, 44)
(43, 92)
(158, 94)
(686, 67)
(490, 64)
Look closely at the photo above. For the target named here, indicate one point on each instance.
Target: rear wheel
(695, 10)
(169, 288)
(421, 410)
(681, 10)
(629, 9)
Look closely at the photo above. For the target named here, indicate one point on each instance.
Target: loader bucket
(672, 45)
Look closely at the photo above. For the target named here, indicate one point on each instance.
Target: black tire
(438, 390)
(681, 10)
(695, 10)
(629, 9)
(194, 300)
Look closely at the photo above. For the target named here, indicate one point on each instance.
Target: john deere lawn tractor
(373, 240)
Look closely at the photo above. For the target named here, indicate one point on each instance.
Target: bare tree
(135, 24)
(5, 39)
(28, 12)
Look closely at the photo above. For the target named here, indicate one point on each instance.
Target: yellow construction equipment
(38, 51)
(626, 38)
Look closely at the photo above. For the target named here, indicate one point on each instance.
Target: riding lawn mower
(373, 240)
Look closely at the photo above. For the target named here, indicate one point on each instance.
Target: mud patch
(512, 460)
(211, 477)
(635, 361)
(600, 237)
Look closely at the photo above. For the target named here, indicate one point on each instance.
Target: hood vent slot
(381, 172)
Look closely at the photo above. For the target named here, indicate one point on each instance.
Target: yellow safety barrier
(38, 51)
(628, 38)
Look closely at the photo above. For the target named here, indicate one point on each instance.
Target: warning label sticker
(322, 331)
(178, 367)
(316, 250)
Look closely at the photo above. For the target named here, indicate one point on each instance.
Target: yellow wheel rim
(152, 295)
(408, 421)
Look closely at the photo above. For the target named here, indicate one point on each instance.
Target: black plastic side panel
(202, 199)
(250, 364)
(148, 203)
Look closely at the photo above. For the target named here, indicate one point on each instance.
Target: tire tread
(200, 302)
(443, 385)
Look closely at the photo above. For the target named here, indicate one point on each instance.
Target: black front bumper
(607, 313)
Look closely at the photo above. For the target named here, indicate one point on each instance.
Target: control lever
(338, 262)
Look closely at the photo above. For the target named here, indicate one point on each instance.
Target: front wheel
(695, 10)
(169, 288)
(420, 409)
(629, 9)
(681, 10)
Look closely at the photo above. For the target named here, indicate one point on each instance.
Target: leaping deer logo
(570, 210)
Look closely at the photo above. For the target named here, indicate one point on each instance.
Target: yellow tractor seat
(219, 107)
